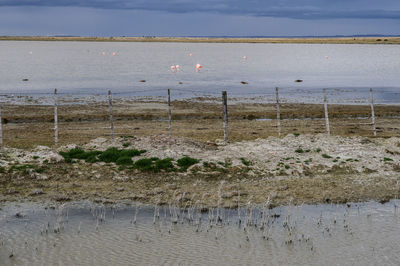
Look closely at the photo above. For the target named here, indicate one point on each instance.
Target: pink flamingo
(198, 66)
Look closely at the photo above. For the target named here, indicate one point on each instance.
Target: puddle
(84, 233)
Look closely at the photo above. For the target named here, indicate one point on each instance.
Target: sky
(199, 17)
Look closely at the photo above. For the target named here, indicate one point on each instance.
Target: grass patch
(318, 150)
(326, 156)
(226, 164)
(25, 168)
(245, 162)
(154, 165)
(387, 159)
(125, 160)
(299, 150)
(126, 144)
(111, 155)
(185, 162)
(296, 134)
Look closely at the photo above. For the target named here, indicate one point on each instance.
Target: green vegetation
(154, 165)
(124, 160)
(386, 159)
(126, 144)
(299, 150)
(245, 162)
(35, 157)
(2, 169)
(110, 155)
(226, 164)
(296, 134)
(326, 156)
(25, 168)
(185, 162)
(318, 150)
(308, 161)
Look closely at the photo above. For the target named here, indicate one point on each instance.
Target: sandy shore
(333, 40)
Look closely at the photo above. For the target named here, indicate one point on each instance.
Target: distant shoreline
(323, 40)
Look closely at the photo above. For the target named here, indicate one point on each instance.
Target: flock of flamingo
(174, 68)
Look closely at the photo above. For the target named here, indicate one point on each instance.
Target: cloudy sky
(199, 17)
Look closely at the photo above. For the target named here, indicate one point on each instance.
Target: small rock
(62, 197)
(157, 191)
(219, 142)
(36, 192)
(12, 191)
(171, 186)
(227, 195)
(120, 188)
(20, 215)
(136, 197)
(283, 188)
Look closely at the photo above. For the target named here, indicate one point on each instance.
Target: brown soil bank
(301, 169)
(28, 125)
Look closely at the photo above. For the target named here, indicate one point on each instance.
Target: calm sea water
(80, 68)
(90, 234)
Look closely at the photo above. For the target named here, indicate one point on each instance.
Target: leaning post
(225, 115)
(371, 99)
(1, 129)
(169, 113)
(55, 118)
(328, 131)
(111, 114)
(278, 111)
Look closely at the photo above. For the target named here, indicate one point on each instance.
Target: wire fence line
(108, 100)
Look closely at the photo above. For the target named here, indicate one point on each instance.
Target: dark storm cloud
(297, 9)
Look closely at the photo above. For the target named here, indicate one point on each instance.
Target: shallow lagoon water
(87, 68)
(84, 233)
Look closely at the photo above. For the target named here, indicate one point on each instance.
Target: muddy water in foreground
(90, 234)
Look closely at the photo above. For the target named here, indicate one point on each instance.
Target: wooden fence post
(55, 118)
(225, 115)
(328, 131)
(371, 99)
(169, 113)
(111, 114)
(278, 111)
(1, 129)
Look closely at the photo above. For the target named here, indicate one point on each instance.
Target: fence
(224, 111)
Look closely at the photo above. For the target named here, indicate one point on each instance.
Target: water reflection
(84, 233)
